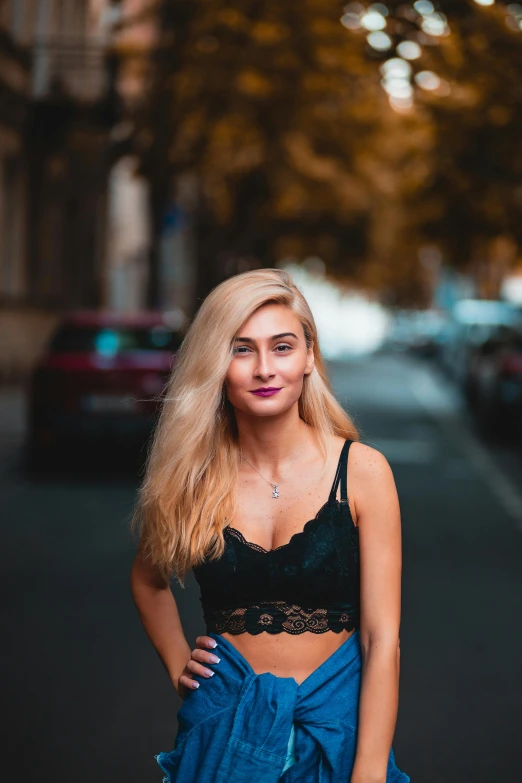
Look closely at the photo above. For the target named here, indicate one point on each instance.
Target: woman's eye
(244, 349)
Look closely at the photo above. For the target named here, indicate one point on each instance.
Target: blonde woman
(256, 481)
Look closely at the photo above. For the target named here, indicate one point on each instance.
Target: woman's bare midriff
(287, 655)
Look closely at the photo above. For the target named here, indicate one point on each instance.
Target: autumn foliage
(278, 113)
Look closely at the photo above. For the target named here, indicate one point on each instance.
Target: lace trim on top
(307, 525)
(277, 616)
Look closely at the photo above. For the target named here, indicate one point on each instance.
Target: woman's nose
(264, 367)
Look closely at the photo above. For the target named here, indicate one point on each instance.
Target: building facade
(57, 107)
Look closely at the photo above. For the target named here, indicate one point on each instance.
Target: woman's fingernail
(213, 643)
(214, 659)
(195, 684)
(209, 673)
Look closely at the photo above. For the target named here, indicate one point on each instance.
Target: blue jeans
(237, 726)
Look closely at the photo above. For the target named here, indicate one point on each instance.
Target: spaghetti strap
(340, 474)
(344, 472)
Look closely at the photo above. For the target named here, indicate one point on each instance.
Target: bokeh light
(514, 16)
(373, 21)
(106, 343)
(409, 50)
(380, 8)
(401, 104)
(484, 2)
(160, 336)
(380, 41)
(396, 81)
(424, 7)
(427, 80)
(435, 24)
(396, 67)
(351, 21)
(398, 88)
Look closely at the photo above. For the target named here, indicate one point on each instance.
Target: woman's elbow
(385, 645)
(143, 575)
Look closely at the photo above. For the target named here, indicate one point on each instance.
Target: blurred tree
(280, 116)
(278, 111)
(467, 84)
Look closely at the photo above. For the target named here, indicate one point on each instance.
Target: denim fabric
(290, 750)
(236, 727)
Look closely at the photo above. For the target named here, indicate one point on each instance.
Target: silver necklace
(275, 487)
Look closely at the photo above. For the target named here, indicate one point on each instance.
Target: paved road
(86, 696)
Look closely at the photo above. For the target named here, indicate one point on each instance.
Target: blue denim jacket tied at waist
(236, 726)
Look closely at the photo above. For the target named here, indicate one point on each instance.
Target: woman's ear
(310, 360)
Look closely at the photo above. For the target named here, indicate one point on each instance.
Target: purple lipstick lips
(266, 391)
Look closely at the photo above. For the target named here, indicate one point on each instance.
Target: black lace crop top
(309, 584)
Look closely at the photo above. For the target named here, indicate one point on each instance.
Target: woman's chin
(265, 411)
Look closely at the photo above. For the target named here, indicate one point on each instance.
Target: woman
(303, 615)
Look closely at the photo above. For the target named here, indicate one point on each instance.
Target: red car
(99, 381)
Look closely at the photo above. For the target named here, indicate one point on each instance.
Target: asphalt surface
(86, 697)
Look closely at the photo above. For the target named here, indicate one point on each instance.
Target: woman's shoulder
(367, 465)
(364, 462)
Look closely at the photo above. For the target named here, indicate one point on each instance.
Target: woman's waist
(287, 655)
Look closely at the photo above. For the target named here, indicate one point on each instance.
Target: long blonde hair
(189, 489)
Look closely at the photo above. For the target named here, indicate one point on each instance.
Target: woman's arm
(159, 615)
(378, 518)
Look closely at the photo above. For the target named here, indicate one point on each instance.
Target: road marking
(446, 409)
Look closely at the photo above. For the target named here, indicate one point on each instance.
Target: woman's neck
(270, 442)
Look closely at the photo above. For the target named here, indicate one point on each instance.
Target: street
(86, 696)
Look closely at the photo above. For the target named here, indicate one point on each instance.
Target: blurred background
(149, 149)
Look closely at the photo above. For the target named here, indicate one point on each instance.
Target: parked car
(99, 381)
(497, 374)
(473, 322)
(415, 331)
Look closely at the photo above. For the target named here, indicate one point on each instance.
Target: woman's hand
(199, 656)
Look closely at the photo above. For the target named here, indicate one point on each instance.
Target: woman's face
(265, 376)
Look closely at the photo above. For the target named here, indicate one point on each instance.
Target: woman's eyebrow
(274, 337)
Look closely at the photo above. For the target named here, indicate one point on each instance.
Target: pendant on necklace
(275, 491)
